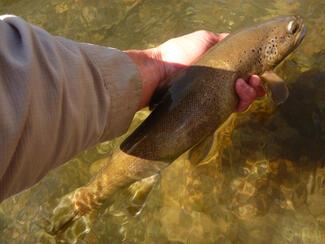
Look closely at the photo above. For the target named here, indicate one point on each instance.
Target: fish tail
(122, 170)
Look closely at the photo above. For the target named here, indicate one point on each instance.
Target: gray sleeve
(57, 97)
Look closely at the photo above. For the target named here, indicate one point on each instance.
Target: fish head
(281, 36)
(259, 48)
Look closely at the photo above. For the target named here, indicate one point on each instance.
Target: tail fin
(122, 171)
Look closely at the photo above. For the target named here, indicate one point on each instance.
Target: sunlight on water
(260, 180)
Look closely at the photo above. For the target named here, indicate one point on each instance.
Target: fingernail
(254, 81)
(223, 35)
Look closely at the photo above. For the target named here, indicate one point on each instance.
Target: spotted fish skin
(202, 97)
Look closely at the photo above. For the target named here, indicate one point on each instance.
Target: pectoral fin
(157, 97)
(277, 86)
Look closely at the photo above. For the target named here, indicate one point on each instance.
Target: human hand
(158, 64)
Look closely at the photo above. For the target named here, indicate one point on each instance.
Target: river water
(262, 178)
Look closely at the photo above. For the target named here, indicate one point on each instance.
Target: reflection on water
(260, 179)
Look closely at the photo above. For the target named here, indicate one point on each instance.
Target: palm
(185, 50)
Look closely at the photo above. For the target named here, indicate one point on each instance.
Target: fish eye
(293, 27)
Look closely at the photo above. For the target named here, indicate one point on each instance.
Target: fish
(197, 102)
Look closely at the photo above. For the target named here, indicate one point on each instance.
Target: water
(262, 178)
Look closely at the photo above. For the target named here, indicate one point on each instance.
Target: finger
(208, 37)
(242, 106)
(222, 35)
(260, 91)
(186, 50)
(256, 83)
(246, 93)
(215, 38)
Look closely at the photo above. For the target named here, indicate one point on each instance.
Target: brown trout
(198, 101)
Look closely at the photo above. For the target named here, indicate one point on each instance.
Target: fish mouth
(302, 33)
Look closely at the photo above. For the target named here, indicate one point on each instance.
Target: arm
(57, 97)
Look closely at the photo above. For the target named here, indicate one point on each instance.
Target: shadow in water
(305, 112)
(267, 169)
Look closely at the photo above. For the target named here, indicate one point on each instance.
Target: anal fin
(139, 192)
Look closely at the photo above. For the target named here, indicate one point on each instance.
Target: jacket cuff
(122, 82)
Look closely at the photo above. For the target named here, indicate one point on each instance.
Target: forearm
(57, 97)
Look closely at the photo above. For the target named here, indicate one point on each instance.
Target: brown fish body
(200, 99)
(199, 102)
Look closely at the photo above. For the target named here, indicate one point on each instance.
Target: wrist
(151, 70)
